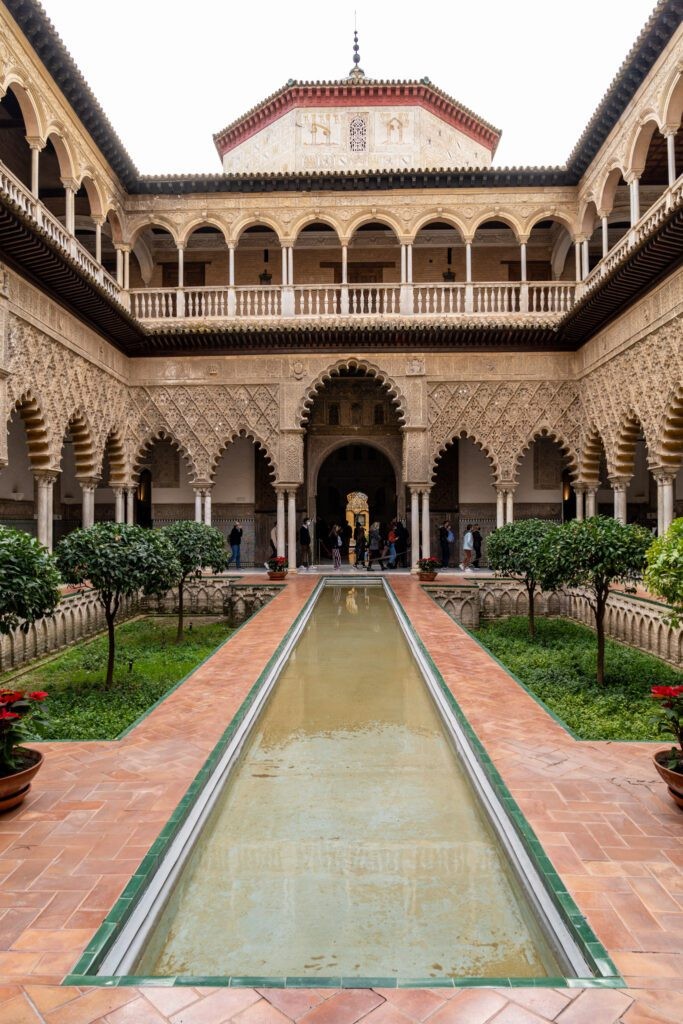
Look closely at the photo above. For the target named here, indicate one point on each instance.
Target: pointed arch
(37, 435)
(248, 434)
(355, 365)
(553, 434)
(669, 452)
(466, 435)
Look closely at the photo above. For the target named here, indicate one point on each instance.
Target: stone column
(207, 507)
(414, 525)
(70, 210)
(345, 264)
(619, 489)
(290, 264)
(284, 265)
(35, 166)
(231, 266)
(605, 236)
(522, 256)
(634, 190)
(88, 503)
(468, 262)
(198, 495)
(665, 501)
(130, 504)
(510, 506)
(580, 493)
(280, 523)
(409, 263)
(119, 266)
(119, 505)
(585, 265)
(577, 260)
(291, 529)
(670, 136)
(500, 507)
(590, 501)
(98, 240)
(426, 539)
(403, 264)
(45, 484)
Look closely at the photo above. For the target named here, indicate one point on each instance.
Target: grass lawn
(559, 667)
(148, 663)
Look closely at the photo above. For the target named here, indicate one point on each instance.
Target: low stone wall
(632, 620)
(215, 595)
(78, 615)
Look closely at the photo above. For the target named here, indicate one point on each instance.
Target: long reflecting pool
(348, 840)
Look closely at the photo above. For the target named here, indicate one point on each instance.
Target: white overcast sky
(169, 73)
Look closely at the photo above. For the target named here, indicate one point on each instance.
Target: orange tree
(196, 547)
(515, 550)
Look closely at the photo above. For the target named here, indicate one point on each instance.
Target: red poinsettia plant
(21, 716)
(669, 720)
(277, 564)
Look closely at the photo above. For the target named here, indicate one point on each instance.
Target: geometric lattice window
(358, 135)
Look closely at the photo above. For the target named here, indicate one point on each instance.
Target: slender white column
(98, 241)
(50, 512)
(580, 493)
(291, 530)
(290, 264)
(119, 505)
(284, 265)
(590, 501)
(130, 505)
(88, 503)
(660, 505)
(584, 259)
(345, 264)
(605, 237)
(667, 502)
(126, 268)
(35, 170)
(670, 156)
(280, 525)
(426, 540)
(619, 489)
(468, 262)
(577, 260)
(403, 264)
(207, 507)
(414, 524)
(635, 201)
(198, 493)
(409, 263)
(510, 506)
(522, 256)
(500, 508)
(231, 266)
(181, 267)
(119, 267)
(44, 487)
(70, 218)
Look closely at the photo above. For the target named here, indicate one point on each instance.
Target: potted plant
(18, 764)
(669, 719)
(428, 569)
(277, 568)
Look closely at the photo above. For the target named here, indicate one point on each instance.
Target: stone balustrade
(215, 595)
(630, 619)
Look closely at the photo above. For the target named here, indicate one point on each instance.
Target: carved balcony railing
(46, 223)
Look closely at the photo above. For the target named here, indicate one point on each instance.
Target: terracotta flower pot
(673, 779)
(274, 575)
(427, 577)
(14, 787)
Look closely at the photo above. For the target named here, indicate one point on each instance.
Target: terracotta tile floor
(598, 808)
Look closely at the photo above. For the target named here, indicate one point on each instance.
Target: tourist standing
(444, 537)
(402, 545)
(361, 545)
(235, 541)
(468, 549)
(305, 543)
(273, 542)
(477, 540)
(336, 546)
(374, 545)
(392, 540)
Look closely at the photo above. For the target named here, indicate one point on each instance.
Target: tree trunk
(600, 630)
(110, 615)
(532, 612)
(181, 595)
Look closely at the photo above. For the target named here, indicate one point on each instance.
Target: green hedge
(559, 667)
(148, 663)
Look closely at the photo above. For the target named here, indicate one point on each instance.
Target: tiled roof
(41, 34)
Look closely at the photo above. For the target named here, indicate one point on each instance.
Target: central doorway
(348, 469)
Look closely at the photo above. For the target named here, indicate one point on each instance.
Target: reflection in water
(348, 841)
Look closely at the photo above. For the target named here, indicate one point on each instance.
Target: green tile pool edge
(607, 975)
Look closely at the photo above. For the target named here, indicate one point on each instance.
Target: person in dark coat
(305, 543)
(477, 540)
(235, 541)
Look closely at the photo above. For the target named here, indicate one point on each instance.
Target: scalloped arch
(466, 435)
(28, 407)
(144, 446)
(248, 434)
(351, 363)
(670, 448)
(546, 431)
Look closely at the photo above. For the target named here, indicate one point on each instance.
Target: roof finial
(356, 71)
